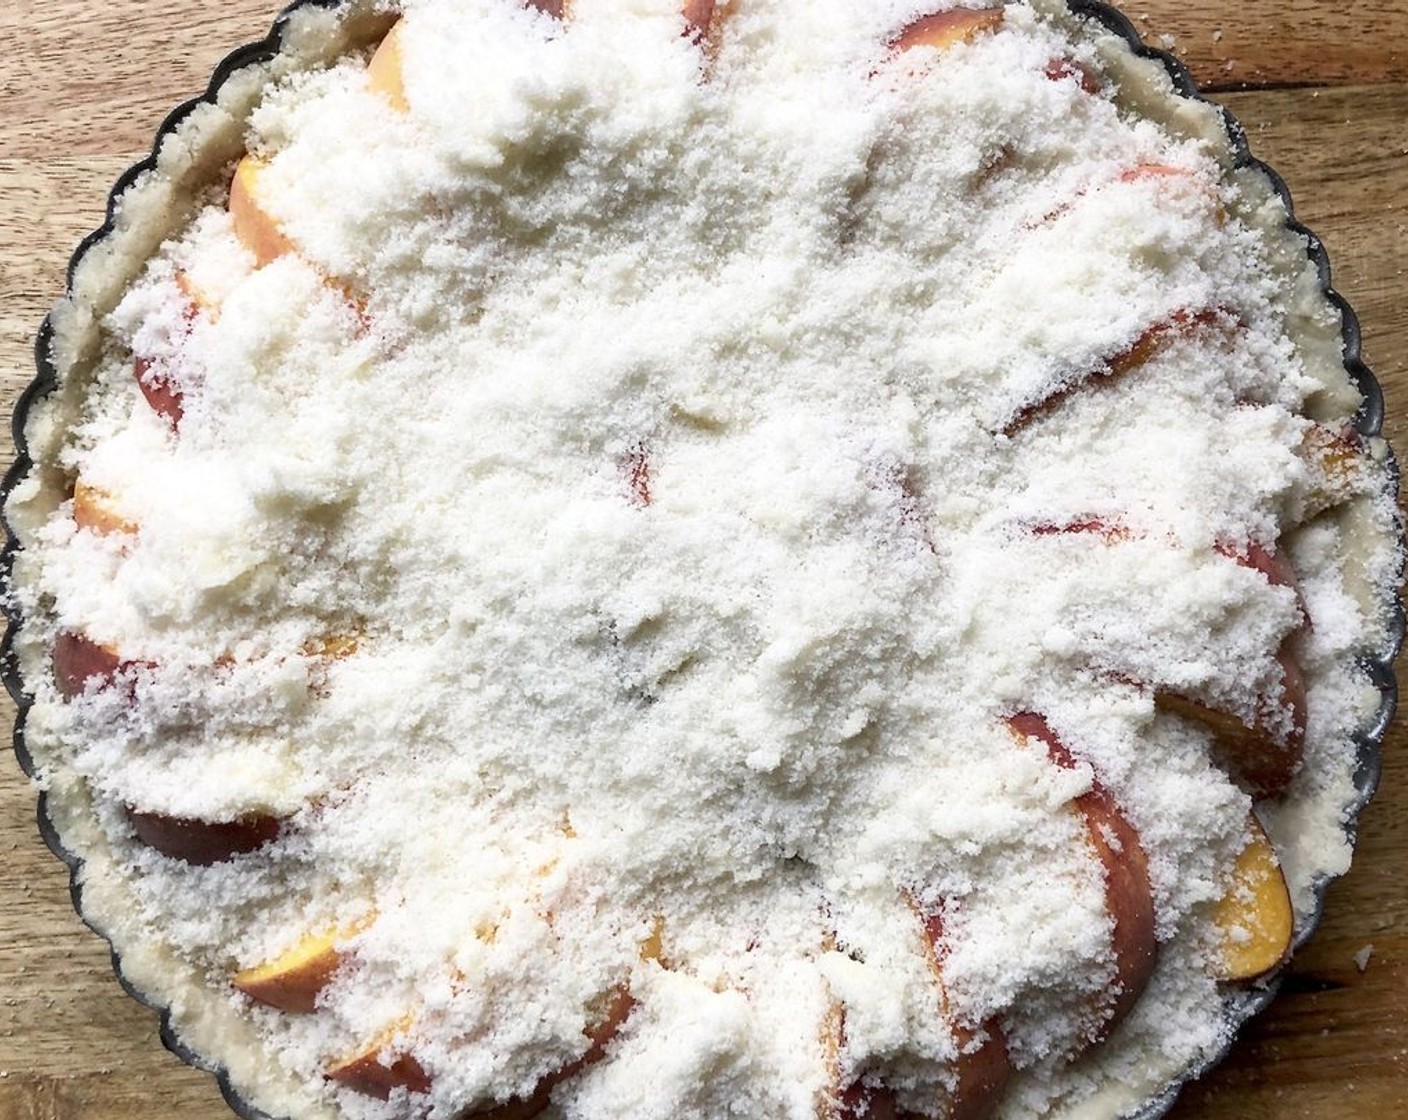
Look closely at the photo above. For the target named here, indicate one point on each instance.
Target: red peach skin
(381, 1068)
(77, 661)
(983, 1067)
(293, 980)
(699, 17)
(1339, 460)
(165, 399)
(200, 842)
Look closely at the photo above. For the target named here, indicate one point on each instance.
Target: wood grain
(83, 85)
(1280, 43)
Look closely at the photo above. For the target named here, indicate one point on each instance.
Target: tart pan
(1239, 1004)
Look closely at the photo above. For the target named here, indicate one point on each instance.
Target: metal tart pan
(1240, 1005)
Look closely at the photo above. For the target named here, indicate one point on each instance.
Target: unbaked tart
(630, 560)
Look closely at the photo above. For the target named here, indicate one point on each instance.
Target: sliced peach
(1129, 895)
(1158, 337)
(153, 378)
(201, 842)
(1265, 753)
(94, 510)
(383, 1066)
(859, 1099)
(292, 980)
(78, 661)
(619, 1005)
(942, 30)
(1151, 341)
(1273, 563)
(983, 1067)
(165, 399)
(558, 9)
(981, 1070)
(257, 229)
(699, 17)
(1145, 172)
(1337, 460)
(1254, 915)
(384, 71)
(198, 302)
(1059, 69)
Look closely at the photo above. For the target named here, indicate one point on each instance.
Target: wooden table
(1322, 89)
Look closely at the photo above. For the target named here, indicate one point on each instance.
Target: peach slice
(382, 1067)
(1262, 753)
(942, 30)
(1158, 337)
(558, 9)
(292, 980)
(983, 1067)
(198, 303)
(384, 73)
(981, 1070)
(1142, 172)
(858, 1100)
(599, 1036)
(1270, 562)
(259, 231)
(93, 509)
(1150, 343)
(201, 842)
(1146, 172)
(619, 1005)
(1254, 915)
(1265, 753)
(700, 17)
(78, 660)
(165, 399)
(256, 228)
(1058, 69)
(1129, 895)
(1337, 462)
